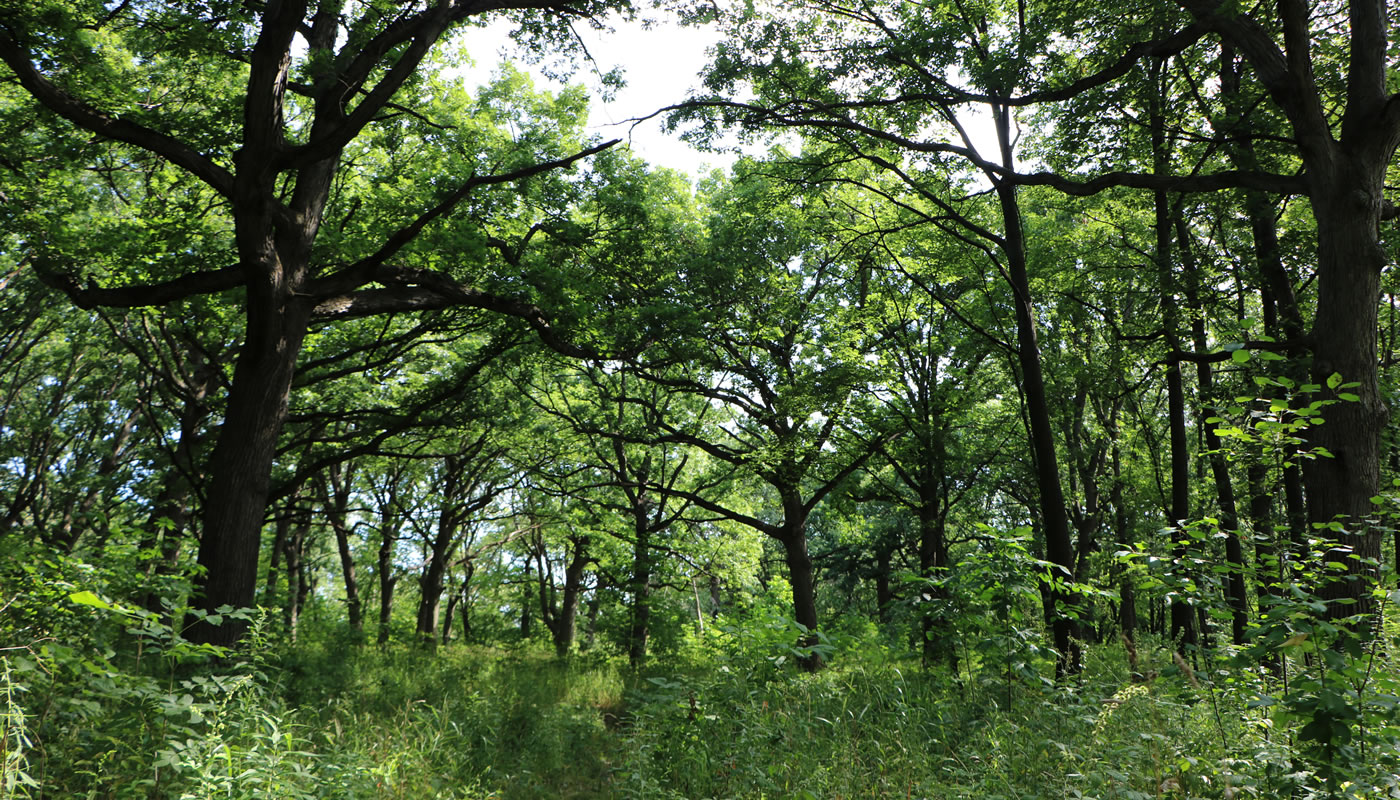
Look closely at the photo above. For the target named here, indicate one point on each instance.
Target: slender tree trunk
(1236, 593)
(1183, 629)
(640, 630)
(590, 630)
(1059, 543)
(336, 500)
(298, 582)
(434, 578)
(526, 588)
(884, 597)
(1127, 596)
(388, 578)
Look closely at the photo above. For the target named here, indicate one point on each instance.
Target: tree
(256, 113)
(782, 354)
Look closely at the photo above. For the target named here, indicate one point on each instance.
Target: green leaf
(1334, 380)
(1349, 396)
(86, 598)
(1239, 356)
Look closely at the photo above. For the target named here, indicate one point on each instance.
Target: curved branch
(89, 118)
(424, 290)
(155, 294)
(364, 271)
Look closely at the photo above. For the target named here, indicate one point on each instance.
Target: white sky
(661, 65)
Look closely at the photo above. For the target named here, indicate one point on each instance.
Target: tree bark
(640, 630)
(336, 499)
(1059, 543)
(1236, 593)
(565, 621)
(1345, 178)
(433, 580)
(802, 576)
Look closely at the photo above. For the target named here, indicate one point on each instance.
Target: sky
(661, 65)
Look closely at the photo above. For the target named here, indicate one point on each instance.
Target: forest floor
(723, 715)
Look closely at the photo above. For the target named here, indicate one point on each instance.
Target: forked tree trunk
(336, 501)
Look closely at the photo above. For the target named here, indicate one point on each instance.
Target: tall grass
(727, 717)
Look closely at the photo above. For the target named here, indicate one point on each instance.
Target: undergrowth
(112, 703)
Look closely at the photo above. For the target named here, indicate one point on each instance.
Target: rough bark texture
(1344, 176)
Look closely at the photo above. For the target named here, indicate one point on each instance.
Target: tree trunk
(565, 621)
(1183, 629)
(298, 582)
(336, 501)
(640, 630)
(933, 563)
(444, 543)
(1059, 544)
(802, 576)
(1127, 595)
(526, 589)
(1344, 170)
(241, 465)
(884, 597)
(1236, 594)
(1346, 204)
(388, 579)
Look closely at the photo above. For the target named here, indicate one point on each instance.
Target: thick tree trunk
(1340, 486)
(241, 465)
(802, 576)
(933, 563)
(1344, 170)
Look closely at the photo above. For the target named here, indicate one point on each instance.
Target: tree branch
(364, 271)
(88, 118)
(157, 294)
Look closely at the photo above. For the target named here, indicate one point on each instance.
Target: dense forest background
(1010, 420)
